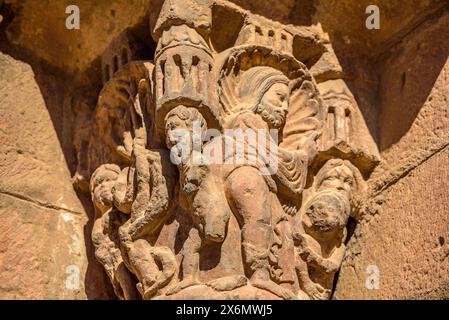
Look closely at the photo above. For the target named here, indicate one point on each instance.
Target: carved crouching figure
(154, 266)
(321, 230)
(108, 188)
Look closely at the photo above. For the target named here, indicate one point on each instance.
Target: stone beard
(264, 91)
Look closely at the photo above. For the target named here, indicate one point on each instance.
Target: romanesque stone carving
(229, 166)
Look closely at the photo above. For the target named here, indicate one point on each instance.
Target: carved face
(264, 90)
(328, 211)
(273, 106)
(102, 183)
(177, 131)
(183, 124)
(339, 178)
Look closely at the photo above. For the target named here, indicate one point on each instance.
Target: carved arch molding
(171, 225)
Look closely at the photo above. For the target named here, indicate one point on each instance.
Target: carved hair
(358, 189)
(188, 115)
(255, 83)
(104, 172)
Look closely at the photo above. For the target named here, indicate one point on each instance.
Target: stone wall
(406, 236)
(42, 219)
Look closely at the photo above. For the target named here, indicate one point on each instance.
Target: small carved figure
(154, 266)
(107, 194)
(321, 231)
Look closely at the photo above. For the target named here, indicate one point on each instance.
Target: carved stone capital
(230, 165)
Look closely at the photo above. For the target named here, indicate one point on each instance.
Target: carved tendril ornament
(231, 163)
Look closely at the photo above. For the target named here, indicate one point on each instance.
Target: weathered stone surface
(410, 183)
(33, 152)
(414, 106)
(38, 247)
(72, 50)
(406, 240)
(42, 219)
(397, 19)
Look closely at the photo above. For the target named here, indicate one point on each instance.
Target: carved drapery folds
(229, 166)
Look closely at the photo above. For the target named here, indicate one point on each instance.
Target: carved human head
(326, 212)
(265, 91)
(101, 185)
(336, 175)
(180, 123)
(329, 209)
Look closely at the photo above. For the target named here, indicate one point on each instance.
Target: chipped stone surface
(42, 219)
(414, 113)
(34, 260)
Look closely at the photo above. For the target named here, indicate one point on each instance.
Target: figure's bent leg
(250, 197)
(190, 262)
(153, 266)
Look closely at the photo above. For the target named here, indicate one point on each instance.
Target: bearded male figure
(264, 100)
